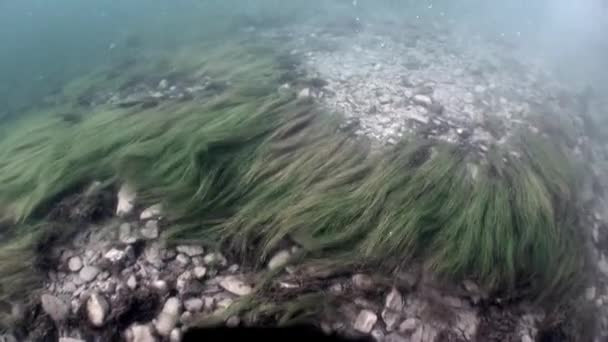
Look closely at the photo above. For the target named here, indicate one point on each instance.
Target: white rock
(193, 304)
(186, 318)
(422, 100)
(115, 255)
(75, 264)
(163, 84)
(126, 200)
(124, 234)
(235, 286)
(168, 317)
(279, 260)
(88, 273)
(527, 338)
(304, 93)
(182, 259)
(214, 259)
(70, 339)
(590, 293)
(190, 250)
(409, 325)
(160, 285)
(97, 309)
(363, 282)
(142, 333)
(392, 309)
(365, 321)
(176, 335)
(152, 254)
(150, 230)
(199, 272)
(154, 211)
(132, 282)
(183, 280)
(56, 308)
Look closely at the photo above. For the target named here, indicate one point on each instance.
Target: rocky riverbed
(117, 279)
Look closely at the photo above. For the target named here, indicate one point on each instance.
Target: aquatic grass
(248, 168)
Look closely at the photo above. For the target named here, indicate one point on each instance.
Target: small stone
(182, 259)
(124, 234)
(190, 250)
(233, 268)
(67, 339)
(215, 259)
(154, 211)
(115, 255)
(377, 334)
(56, 308)
(69, 286)
(163, 84)
(160, 285)
(409, 325)
(527, 338)
(88, 273)
(199, 272)
(97, 309)
(363, 282)
(279, 260)
(183, 280)
(176, 335)
(590, 293)
(233, 322)
(365, 321)
(150, 230)
(392, 309)
(186, 318)
(304, 93)
(193, 304)
(167, 318)
(471, 287)
(75, 264)
(132, 282)
(235, 286)
(480, 89)
(422, 100)
(126, 199)
(142, 333)
(336, 289)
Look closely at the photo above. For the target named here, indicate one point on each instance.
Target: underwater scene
(387, 170)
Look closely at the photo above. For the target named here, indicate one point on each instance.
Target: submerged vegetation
(246, 166)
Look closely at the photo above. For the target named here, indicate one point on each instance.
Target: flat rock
(150, 230)
(168, 317)
(56, 308)
(153, 211)
(97, 309)
(126, 200)
(235, 286)
(190, 250)
(75, 264)
(365, 321)
(142, 333)
(193, 304)
(279, 260)
(125, 235)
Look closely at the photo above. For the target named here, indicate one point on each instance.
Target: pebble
(235, 286)
(56, 308)
(176, 335)
(150, 230)
(304, 93)
(527, 338)
(126, 199)
(124, 234)
(163, 84)
(279, 260)
(88, 273)
(199, 272)
(97, 309)
(132, 282)
(215, 259)
(154, 211)
(160, 285)
(193, 304)
(363, 282)
(409, 325)
(365, 321)
(142, 333)
(190, 250)
(168, 317)
(393, 305)
(422, 100)
(75, 264)
(182, 259)
(115, 255)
